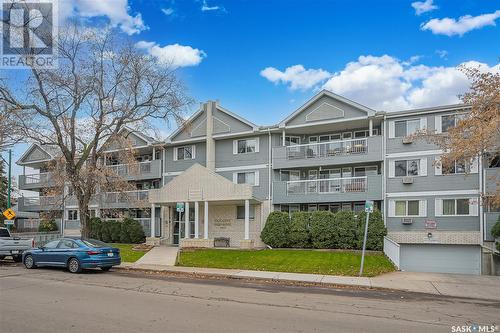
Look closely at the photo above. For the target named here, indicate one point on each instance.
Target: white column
(186, 220)
(370, 127)
(196, 219)
(283, 138)
(247, 219)
(205, 221)
(153, 220)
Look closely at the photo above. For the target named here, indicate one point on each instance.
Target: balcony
(491, 180)
(126, 199)
(41, 203)
(328, 190)
(35, 181)
(138, 171)
(328, 153)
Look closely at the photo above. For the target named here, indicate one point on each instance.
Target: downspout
(269, 166)
(384, 173)
(480, 203)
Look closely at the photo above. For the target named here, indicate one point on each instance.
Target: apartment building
(215, 180)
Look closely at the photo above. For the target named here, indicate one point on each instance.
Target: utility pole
(9, 180)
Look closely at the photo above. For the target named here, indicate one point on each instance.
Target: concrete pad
(470, 291)
(347, 280)
(159, 255)
(408, 285)
(299, 277)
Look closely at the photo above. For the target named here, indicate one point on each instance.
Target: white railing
(327, 185)
(127, 196)
(36, 178)
(40, 201)
(139, 168)
(392, 250)
(327, 149)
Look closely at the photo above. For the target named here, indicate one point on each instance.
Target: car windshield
(94, 243)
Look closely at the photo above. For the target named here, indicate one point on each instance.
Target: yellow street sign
(9, 214)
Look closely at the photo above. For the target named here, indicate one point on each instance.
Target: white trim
(431, 193)
(326, 122)
(415, 153)
(418, 112)
(172, 173)
(234, 135)
(238, 117)
(183, 125)
(181, 142)
(242, 168)
(199, 125)
(330, 105)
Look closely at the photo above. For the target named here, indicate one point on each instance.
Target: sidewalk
(456, 285)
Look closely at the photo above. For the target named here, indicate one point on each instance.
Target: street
(53, 300)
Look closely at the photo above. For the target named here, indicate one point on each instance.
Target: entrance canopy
(200, 184)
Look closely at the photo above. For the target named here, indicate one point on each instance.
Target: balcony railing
(141, 168)
(41, 201)
(327, 149)
(327, 185)
(125, 197)
(37, 178)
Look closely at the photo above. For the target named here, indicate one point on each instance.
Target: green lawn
(296, 261)
(126, 252)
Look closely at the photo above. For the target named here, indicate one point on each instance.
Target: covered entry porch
(203, 209)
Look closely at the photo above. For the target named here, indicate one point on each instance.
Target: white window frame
(70, 215)
(419, 161)
(235, 146)
(193, 153)
(251, 212)
(422, 208)
(439, 207)
(256, 177)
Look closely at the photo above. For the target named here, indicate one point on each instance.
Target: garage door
(459, 259)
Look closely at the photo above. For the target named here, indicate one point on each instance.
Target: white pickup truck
(13, 246)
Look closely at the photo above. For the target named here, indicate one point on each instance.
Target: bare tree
(102, 85)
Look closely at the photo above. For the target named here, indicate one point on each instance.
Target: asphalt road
(53, 300)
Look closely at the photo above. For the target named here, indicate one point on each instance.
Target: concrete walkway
(158, 255)
(456, 285)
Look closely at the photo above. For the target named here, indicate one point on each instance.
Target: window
(240, 212)
(404, 128)
(72, 215)
(287, 175)
(292, 140)
(455, 206)
(359, 207)
(405, 168)
(67, 244)
(246, 146)
(407, 208)
(246, 178)
(364, 171)
(184, 153)
(51, 245)
(455, 167)
(312, 208)
(450, 121)
(365, 133)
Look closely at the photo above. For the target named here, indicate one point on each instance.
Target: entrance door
(179, 225)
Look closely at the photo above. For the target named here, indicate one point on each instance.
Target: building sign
(369, 206)
(179, 207)
(222, 222)
(430, 224)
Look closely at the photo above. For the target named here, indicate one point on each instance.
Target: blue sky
(388, 55)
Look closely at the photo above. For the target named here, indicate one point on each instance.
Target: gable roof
(198, 183)
(201, 111)
(52, 151)
(317, 97)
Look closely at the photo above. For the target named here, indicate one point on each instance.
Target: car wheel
(17, 258)
(107, 268)
(74, 266)
(29, 262)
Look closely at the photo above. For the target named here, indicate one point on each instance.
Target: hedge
(324, 230)
(47, 225)
(277, 229)
(126, 231)
(495, 232)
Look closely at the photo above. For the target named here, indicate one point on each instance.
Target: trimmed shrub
(132, 232)
(299, 234)
(376, 231)
(495, 232)
(345, 230)
(276, 230)
(47, 226)
(323, 231)
(95, 228)
(106, 231)
(124, 232)
(115, 228)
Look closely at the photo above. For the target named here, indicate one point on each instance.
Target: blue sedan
(74, 254)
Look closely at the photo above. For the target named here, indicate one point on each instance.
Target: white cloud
(206, 8)
(296, 76)
(116, 11)
(443, 54)
(386, 83)
(450, 26)
(167, 11)
(423, 7)
(174, 55)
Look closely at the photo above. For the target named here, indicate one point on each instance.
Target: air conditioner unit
(407, 220)
(407, 180)
(407, 140)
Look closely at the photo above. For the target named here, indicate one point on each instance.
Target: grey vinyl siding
(260, 191)
(349, 111)
(444, 223)
(236, 126)
(181, 165)
(491, 179)
(224, 156)
(396, 145)
(186, 133)
(490, 220)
